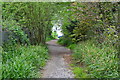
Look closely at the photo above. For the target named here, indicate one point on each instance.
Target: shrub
(65, 41)
(16, 34)
(101, 62)
(48, 38)
(24, 61)
(72, 46)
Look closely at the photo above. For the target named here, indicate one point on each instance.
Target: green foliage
(54, 34)
(48, 38)
(65, 41)
(72, 46)
(23, 61)
(100, 61)
(79, 73)
(32, 17)
(16, 34)
(93, 19)
(98, 21)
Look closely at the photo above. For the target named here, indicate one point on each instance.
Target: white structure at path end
(57, 28)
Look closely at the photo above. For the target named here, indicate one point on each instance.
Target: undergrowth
(65, 41)
(23, 61)
(48, 38)
(99, 61)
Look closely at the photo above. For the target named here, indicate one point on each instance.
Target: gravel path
(56, 67)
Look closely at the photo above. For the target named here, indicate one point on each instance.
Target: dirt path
(57, 67)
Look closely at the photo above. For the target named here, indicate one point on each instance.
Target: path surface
(57, 67)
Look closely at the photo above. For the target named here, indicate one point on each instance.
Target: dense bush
(84, 21)
(32, 18)
(101, 62)
(23, 61)
(72, 46)
(15, 32)
(48, 38)
(66, 41)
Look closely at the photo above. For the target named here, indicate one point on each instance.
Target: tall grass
(100, 62)
(23, 61)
